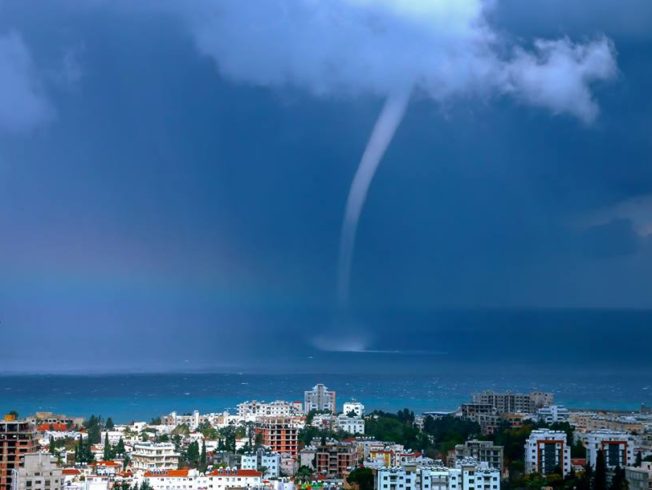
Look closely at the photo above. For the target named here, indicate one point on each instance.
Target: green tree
(109, 424)
(53, 448)
(108, 453)
(362, 477)
(618, 481)
(120, 447)
(192, 454)
(639, 459)
(600, 478)
(93, 425)
(304, 474)
(202, 457)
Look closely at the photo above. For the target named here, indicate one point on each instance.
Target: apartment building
(618, 448)
(222, 479)
(17, 438)
(281, 434)
(547, 451)
(264, 461)
(514, 402)
(639, 478)
(467, 475)
(335, 460)
(352, 425)
(482, 452)
(37, 472)
(353, 407)
(553, 414)
(151, 456)
(251, 410)
(319, 398)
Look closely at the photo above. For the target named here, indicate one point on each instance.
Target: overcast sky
(173, 178)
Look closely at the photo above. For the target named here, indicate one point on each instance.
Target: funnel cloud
(382, 135)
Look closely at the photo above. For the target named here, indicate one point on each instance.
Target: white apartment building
(618, 448)
(262, 460)
(251, 410)
(352, 425)
(150, 456)
(468, 475)
(222, 479)
(547, 450)
(353, 407)
(37, 472)
(319, 398)
(191, 420)
(553, 414)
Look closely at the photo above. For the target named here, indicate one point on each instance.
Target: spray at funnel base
(381, 136)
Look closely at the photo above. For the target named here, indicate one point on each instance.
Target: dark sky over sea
(159, 213)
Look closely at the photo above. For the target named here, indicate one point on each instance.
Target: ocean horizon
(143, 396)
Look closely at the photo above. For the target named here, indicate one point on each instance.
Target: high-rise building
(319, 398)
(16, 440)
(547, 451)
(37, 472)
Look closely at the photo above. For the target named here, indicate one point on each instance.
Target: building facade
(547, 451)
(17, 438)
(37, 472)
(514, 402)
(482, 452)
(353, 407)
(553, 414)
(281, 434)
(266, 462)
(319, 398)
(468, 475)
(618, 448)
(150, 456)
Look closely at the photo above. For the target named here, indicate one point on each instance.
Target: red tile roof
(223, 472)
(70, 471)
(182, 473)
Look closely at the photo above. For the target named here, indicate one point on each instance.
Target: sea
(132, 397)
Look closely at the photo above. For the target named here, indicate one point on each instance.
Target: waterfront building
(514, 402)
(319, 398)
(547, 451)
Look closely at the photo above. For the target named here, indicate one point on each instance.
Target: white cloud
(22, 103)
(445, 48)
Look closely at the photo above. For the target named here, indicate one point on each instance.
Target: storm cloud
(445, 48)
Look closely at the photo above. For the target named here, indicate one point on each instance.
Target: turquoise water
(143, 396)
